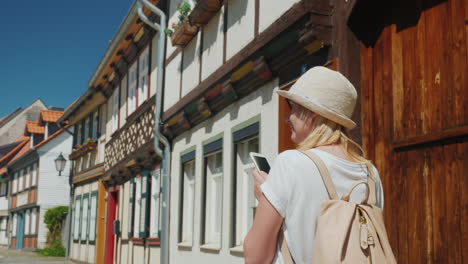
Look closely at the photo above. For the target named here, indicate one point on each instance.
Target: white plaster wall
(263, 102)
(240, 24)
(271, 10)
(172, 83)
(213, 39)
(4, 203)
(191, 65)
(54, 190)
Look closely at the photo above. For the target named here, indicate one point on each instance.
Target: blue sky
(50, 48)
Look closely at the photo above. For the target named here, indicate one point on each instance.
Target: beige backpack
(348, 232)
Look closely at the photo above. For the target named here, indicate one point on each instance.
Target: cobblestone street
(24, 257)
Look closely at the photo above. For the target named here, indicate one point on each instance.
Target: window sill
(184, 246)
(211, 248)
(238, 250)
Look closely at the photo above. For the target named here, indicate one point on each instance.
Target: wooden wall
(415, 128)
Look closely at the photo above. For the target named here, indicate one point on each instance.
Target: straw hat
(325, 92)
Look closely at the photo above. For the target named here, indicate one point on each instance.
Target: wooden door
(112, 201)
(415, 129)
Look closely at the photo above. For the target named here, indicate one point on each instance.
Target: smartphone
(260, 161)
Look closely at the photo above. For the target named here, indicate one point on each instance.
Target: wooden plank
(367, 117)
(451, 174)
(397, 77)
(462, 180)
(439, 224)
(399, 192)
(411, 79)
(436, 78)
(458, 14)
(431, 138)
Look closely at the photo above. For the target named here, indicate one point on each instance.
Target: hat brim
(318, 109)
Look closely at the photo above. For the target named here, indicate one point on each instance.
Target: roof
(58, 132)
(14, 152)
(25, 148)
(50, 115)
(34, 127)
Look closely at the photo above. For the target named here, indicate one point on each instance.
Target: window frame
(211, 189)
(93, 197)
(35, 173)
(132, 84)
(155, 203)
(34, 212)
(244, 135)
(84, 220)
(182, 240)
(77, 220)
(143, 87)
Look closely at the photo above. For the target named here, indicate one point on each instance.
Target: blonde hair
(326, 132)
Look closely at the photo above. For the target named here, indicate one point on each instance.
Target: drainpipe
(158, 135)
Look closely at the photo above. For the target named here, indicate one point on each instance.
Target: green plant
(184, 9)
(53, 219)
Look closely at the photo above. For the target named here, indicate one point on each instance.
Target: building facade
(35, 183)
(220, 103)
(87, 116)
(127, 77)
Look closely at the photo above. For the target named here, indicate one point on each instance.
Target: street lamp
(60, 163)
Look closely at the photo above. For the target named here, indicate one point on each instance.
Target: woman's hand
(259, 177)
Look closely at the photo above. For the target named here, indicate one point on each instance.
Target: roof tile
(50, 115)
(34, 127)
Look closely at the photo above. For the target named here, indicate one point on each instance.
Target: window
(92, 217)
(15, 183)
(213, 198)
(20, 181)
(115, 109)
(27, 216)
(13, 226)
(34, 175)
(4, 188)
(136, 213)
(187, 198)
(28, 177)
(77, 214)
(246, 141)
(143, 68)
(84, 218)
(95, 133)
(140, 188)
(33, 221)
(132, 84)
(155, 202)
(86, 128)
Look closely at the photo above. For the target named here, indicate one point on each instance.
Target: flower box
(184, 34)
(86, 148)
(204, 10)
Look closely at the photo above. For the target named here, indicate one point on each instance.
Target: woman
(322, 102)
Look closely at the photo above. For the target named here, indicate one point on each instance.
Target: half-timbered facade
(127, 77)
(35, 185)
(87, 117)
(220, 104)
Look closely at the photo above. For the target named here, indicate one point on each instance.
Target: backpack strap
(324, 173)
(372, 182)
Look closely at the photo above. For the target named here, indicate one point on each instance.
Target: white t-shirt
(295, 189)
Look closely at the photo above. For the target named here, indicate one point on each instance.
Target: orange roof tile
(58, 132)
(23, 137)
(50, 115)
(33, 127)
(15, 150)
(20, 153)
